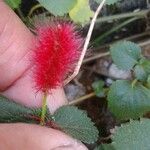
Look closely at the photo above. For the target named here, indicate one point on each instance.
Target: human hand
(16, 83)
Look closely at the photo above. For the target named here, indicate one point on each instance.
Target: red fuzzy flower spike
(57, 49)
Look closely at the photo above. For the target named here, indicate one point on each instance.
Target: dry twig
(85, 47)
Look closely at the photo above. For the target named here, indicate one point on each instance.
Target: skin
(16, 84)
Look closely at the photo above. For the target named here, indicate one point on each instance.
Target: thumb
(15, 41)
(15, 73)
(31, 137)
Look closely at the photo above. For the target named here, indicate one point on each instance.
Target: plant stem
(86, 97)
(122, 16)
(134, 82)
(99, 39)
(44, 109)
(96, 56)
(86, 44)
(83, 98)
(33, 9)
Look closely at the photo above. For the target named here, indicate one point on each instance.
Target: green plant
(133, 135)
(127, 99)
(69, 119)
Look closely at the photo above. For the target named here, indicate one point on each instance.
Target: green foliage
(76, 123)
(72, 7)
(108, 2)
(81, 12)
(140, 73)
(13, 3)
(13, 112)
(98, 88)
(132, 136)
(125, 54)
(58, 7)
(142, 70)
(127, 101)
(70, 119)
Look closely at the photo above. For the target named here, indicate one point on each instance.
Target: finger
(16, 78)
(15, 43)
(24, 92)
(24, 136)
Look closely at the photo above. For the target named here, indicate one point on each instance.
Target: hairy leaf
(127, 101)
(140, 73)
(76, 123)
(58, 7)
(125, 54)
(134, 135)
(142, 70)
(81, 13)
(13, 112)
(13, 3)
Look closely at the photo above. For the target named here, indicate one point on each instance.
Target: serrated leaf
(76, 123)
(142, 70)
(132, 136)
(98, 87)
(13, 112)
(108, 2)
(125, 54)
(126, 101)
(81, 13)
(140, 73)
(13, 3)
(58, 7)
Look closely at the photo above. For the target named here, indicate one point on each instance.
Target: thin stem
(85, 47)
(122, 16)
(116, 28)
(96, 56)
(83, 98)
(44, 109)
(33, 9)
(134, 83)
(88, 96)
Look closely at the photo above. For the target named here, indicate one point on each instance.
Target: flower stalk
(44, 109)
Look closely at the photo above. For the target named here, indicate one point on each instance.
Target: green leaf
(140, 73)
(98, 87)
(13, 112)
(134, 135)
(142, 70)
(125, 54)
(58, 7)
(13, 3)
(108, 2)
(127, 101)
(81, 13)
(76, 123)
